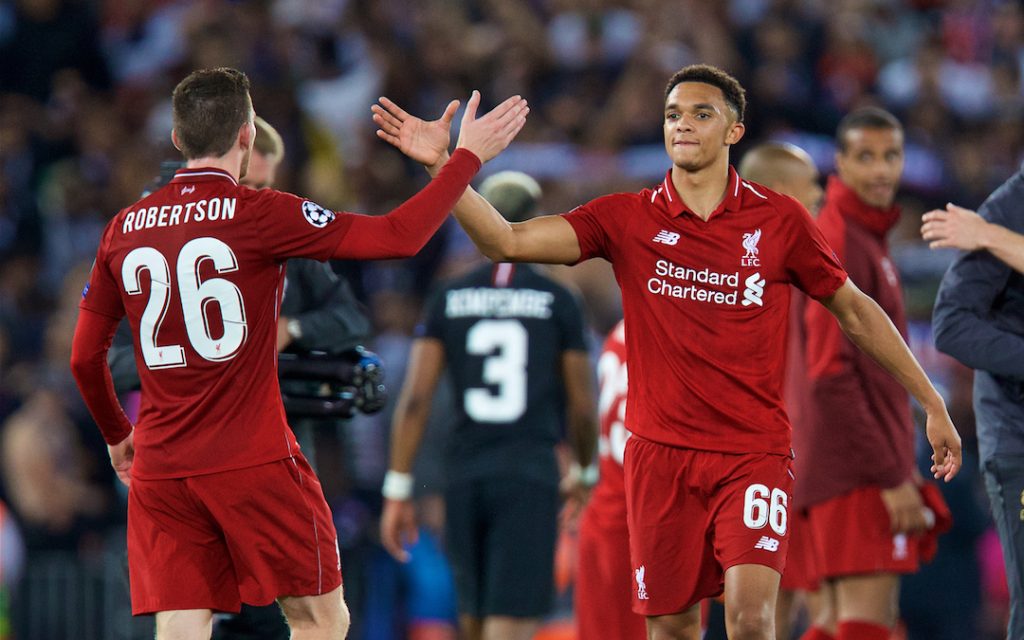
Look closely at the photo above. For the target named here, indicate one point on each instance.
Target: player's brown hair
(865, 118)
(268, 141)
(733, 92)
(208, 108)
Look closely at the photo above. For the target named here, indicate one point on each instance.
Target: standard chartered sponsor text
(665, 271)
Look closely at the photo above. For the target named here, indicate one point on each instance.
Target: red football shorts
(215, 541)
(802, 563)
(693, 514)
(603, 583)
(852, 535)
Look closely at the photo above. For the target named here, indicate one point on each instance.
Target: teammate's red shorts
(603, 586)
(852, 536)
(802, 562)
(694, 514)
(215, 541)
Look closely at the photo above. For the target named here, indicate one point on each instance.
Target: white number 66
(762, 506)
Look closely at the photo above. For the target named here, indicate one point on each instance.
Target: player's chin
(689, 164)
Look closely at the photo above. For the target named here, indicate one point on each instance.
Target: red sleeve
(296, 228)
(594, 224)
(811, 263)
(403, 232)
(93, 335)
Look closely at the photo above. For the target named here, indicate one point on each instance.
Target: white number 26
(196, 295)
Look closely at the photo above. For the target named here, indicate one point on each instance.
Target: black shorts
(501, 542)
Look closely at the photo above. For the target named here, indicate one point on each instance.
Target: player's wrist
(397, 485)
(988, 236)
(294, 328)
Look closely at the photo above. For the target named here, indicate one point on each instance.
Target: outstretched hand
(425, 142)
(488, 135)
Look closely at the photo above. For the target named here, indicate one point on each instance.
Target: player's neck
(703, 189)
(229, 162)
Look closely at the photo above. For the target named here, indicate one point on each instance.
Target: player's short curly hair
(733, 92)
(865, 118)
(208, 108)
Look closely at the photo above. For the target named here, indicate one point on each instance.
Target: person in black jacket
(979, 320)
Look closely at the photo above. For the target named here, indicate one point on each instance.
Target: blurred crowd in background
(85, 120)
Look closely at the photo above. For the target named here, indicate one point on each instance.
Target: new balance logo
(641, 588)
(667, 237)
(768, 544)
(755, 289)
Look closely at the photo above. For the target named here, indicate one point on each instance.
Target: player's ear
(735, 133)
(174, 139)
(247, 135)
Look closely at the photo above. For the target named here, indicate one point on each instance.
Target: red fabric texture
(213, 542)
(602, 596)
(687, 525)
(853, 536)
(817, 633)
(93, 335)
(802, 562)
(857, 630)
(875, 421)
(929, 541)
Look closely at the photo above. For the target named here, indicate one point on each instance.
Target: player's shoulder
(756, 196)
(613, 202)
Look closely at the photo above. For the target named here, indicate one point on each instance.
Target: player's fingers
(512, 113)
(393, 108)
(471, 107)
(952, 208)
(503, 109)
(389, 126)
(934, 214)
(383, 115)
(387, 137)
(449, 112)
(955, 459)
(514, 127)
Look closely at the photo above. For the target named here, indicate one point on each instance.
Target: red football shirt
(706, 303)
(608, 501)
(198, 268)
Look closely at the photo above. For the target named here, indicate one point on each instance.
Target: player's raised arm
(548, 239)
(406, 229)
(867, 326)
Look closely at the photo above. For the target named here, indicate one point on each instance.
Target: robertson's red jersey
(608, 501)
(198, 268)
(706, 303)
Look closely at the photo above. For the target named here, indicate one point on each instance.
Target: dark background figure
(979, 320)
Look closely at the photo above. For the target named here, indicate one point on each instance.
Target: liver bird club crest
(750, 241)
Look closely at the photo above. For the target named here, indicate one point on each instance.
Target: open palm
(423, 141)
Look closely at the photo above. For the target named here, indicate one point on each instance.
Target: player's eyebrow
(700, 106)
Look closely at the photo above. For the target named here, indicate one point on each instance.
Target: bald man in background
(790, 170)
